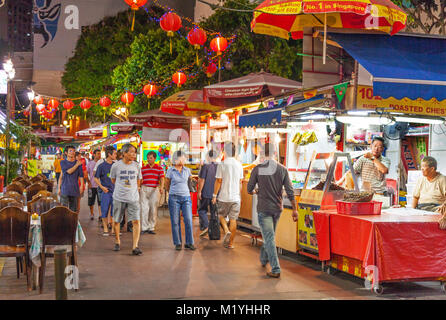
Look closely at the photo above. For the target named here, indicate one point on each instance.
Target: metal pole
(30, 126)
(60, 263)
(9, 95)
(355, 85)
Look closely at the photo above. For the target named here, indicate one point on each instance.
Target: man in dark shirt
(271, 177)
(72, 180)
(206, 181)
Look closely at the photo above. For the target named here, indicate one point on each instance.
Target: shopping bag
(214, 224)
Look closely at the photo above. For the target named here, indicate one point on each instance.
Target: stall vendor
(373, 167)
(430, 190)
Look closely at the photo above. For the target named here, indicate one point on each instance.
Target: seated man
(430, 191)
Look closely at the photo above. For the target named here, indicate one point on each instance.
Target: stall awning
(262, 117)
(402, 66)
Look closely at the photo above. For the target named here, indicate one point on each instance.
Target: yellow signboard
(366, 100)
(306, 229)
(12, 144)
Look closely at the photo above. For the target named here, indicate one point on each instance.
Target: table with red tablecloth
(401, 247)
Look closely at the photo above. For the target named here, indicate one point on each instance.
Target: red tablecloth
(402, 247)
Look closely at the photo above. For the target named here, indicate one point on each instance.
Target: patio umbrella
(188, 103)
(249, 89)
(281, 17)
(126, 126)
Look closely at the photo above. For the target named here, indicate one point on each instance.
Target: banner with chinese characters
(366, 100)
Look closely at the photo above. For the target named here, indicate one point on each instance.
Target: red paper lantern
(211, 69)
(85, 104)
(38, 100)
(26, 112)
(105, 102)
(127, 98)
(40, 108)
(53, 104)
(135, 4)
(196, 37)
(219, 44)
(150, 90)
(179, 78)
(170, 22)
(68, 104)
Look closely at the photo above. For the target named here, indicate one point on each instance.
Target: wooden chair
(33, 189)
(13, 194)
(49, 185)
(58, 226)
(44, 193)
(17, 179)
(42, 204)
(36, 179)
(16, 186)
(14, 232)
(9, 202)
(25, 183)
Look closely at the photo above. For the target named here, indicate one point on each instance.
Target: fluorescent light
(365, 120)
(419, 120)
(314, 117)
(277, 139)
(296, 123)
(271, 130)
(359, 112)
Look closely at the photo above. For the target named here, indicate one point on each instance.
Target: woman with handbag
(177, 184)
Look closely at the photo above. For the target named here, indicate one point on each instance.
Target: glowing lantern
(219, 44)
(196, 37)
(85, 104)
(211, 69)
(40, 108)
(38, 100)
(105, 102)
(26, 112)
(135, 5)
(68, 104)
(149, 91)
(127, 98)
(170, 22)
(53, 104)
(179, 78)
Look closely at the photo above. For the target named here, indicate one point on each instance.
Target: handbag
(214, 224)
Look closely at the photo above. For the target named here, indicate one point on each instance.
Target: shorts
(133, 211)
(92, 195)
(107, 202)
(228, 209)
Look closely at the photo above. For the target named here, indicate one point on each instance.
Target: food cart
(320, 192)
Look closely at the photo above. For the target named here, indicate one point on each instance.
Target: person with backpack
(206, 181)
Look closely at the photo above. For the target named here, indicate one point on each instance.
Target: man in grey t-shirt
(126, 176)
(271, 178)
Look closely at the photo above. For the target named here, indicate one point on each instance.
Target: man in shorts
(126, 175)
(228, 182)
(92, 185)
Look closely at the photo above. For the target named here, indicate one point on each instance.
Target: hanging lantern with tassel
(211, 69)
(170, 22)
(197, 37)
(135, 5)
(68, 104)
(40, 108)
(179, 78)
(53, 104)
(85, 105)
(219, 45)
(149, 91)
(127, 98)
(104, 102)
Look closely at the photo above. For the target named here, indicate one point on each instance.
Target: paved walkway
(210, 272)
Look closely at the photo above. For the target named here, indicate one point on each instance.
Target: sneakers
(117, 247)
(226, 238)
(178, 247)
(273, 275)
(189, 246)
(204, 232)
(136, 252)
(105, 234)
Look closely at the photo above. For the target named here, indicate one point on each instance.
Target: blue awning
(402, 66)
(261, 117)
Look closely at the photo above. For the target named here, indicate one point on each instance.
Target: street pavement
(210, 272)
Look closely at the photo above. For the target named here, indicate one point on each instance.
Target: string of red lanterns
(135, 5)
(170, 22)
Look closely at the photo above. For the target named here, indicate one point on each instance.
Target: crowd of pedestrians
(124, 191)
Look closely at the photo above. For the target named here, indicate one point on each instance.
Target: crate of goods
(359, 208)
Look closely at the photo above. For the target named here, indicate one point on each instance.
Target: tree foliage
(427, 16)
(109, 59)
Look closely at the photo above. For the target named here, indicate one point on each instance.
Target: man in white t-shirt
(227, 186)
